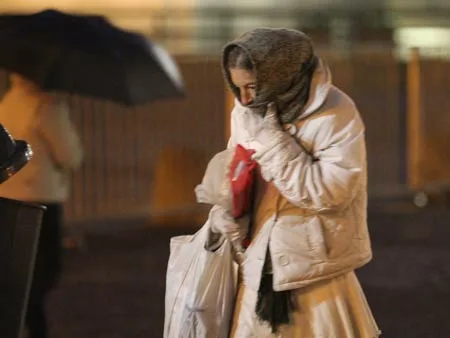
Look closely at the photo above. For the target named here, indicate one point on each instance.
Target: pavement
(115, 288)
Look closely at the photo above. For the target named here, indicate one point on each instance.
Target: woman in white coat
(309, 231)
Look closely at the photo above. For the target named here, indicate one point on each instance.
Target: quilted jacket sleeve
(329, 177)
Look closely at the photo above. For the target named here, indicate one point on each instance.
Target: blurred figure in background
(33, 115)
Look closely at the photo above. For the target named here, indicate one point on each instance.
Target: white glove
(274, 146)
(269, 132)
(221, 221)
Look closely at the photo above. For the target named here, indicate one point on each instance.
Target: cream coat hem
(335, 308)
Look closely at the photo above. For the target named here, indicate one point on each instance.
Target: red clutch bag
(242, 179)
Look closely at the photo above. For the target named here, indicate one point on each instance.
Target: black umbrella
(87, 55)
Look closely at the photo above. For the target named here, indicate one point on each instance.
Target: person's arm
(221, 219)
(327, 179)
(56, 129)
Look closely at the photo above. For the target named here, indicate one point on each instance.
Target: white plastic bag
(200, 288)
(215, 188)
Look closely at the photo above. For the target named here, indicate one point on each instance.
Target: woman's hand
(274, 146)
(270, 131)
(270, 137)
(223, 222)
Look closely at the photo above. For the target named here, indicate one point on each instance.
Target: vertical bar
(414, 121)
(109, 150)
(403, 120)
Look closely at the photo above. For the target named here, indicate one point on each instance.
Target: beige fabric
(45, 124)
(336, 308)
(333, 308)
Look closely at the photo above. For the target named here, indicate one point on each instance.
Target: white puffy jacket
(316, 227)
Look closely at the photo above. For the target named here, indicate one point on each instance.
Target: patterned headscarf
(284, 62)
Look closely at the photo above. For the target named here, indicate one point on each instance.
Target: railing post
(414, 120)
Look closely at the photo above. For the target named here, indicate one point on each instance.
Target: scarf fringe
(274, 307)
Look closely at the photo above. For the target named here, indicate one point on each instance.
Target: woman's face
(245, 81)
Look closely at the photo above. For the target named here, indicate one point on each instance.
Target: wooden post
(415, 123)
(177, 173)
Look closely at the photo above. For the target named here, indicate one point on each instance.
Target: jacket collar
(319, 89)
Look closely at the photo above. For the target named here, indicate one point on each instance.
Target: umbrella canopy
(87, 55)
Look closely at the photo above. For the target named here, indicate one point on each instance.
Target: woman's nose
(246, 97)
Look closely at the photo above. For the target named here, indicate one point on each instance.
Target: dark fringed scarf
(274, 307)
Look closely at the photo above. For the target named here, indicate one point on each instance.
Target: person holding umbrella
(52, 51)
(31, 114)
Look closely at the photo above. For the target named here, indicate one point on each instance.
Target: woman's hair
(237, 57)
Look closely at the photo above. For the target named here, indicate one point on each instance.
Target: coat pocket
(299, 237)
(338, 234)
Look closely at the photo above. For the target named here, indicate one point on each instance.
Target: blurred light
(431, 41)
(423, 36)
(421, 200)
(79, 4)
